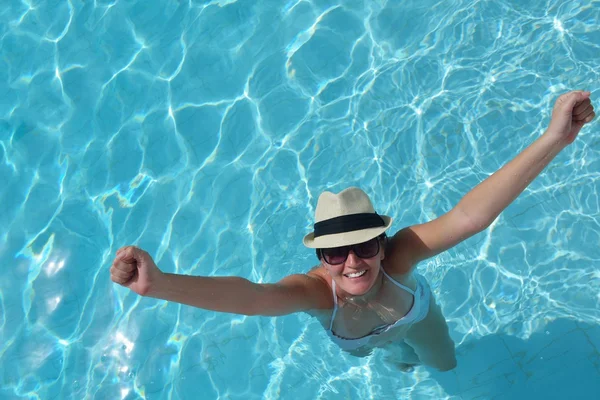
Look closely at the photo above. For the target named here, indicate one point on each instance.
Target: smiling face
(355, 276)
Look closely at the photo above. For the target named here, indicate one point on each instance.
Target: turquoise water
(204, 132)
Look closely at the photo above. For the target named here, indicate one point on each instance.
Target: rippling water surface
(205, 131)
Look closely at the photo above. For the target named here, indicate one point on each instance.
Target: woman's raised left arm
(487, 200)
(482, 205)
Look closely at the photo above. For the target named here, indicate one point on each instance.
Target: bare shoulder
(321, 288)
(399, 253)
(416, 243)
(320, 281)
(320, 273)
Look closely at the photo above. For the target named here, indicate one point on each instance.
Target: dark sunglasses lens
(367, 249)
(336, 255)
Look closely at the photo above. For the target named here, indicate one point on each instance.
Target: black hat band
(348, 223)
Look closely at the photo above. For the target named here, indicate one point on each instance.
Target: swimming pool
(204, 131)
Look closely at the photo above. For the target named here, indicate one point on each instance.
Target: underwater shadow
(562, 361)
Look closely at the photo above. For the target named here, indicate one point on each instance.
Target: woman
(365, 292)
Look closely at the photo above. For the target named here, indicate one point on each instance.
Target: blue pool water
(204, 132)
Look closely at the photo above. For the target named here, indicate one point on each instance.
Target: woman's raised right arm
(135, 269)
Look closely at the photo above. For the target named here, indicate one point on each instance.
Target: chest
(355, 320)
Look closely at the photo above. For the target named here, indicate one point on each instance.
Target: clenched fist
(571, 111)
(133, 268)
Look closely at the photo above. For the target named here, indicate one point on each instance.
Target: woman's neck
(364, 299)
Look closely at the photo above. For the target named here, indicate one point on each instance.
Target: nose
(352, 259)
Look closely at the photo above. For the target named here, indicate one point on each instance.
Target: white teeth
(357, 274)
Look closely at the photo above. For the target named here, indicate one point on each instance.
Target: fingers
(120, 276)
(119, 265)
(121, 272)
(130, 254)
(589, 117)
(584, 112)
(126, 263)
(582, 107)
(581, 115)
(578, 104)
(569, 101)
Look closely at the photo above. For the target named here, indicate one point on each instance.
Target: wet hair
(383, 238)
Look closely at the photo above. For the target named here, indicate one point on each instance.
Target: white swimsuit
(418, 312)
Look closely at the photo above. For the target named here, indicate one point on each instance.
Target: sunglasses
(339, 255)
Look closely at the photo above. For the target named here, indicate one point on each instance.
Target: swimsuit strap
(335, 305)
(409, 290)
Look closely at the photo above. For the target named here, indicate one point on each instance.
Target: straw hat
(345, 218)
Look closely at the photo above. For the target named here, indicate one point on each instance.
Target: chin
(358, 289)
(357, 292)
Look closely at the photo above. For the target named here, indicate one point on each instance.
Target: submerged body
(402, 317)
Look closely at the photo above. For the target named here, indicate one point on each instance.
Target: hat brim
(346, 238)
